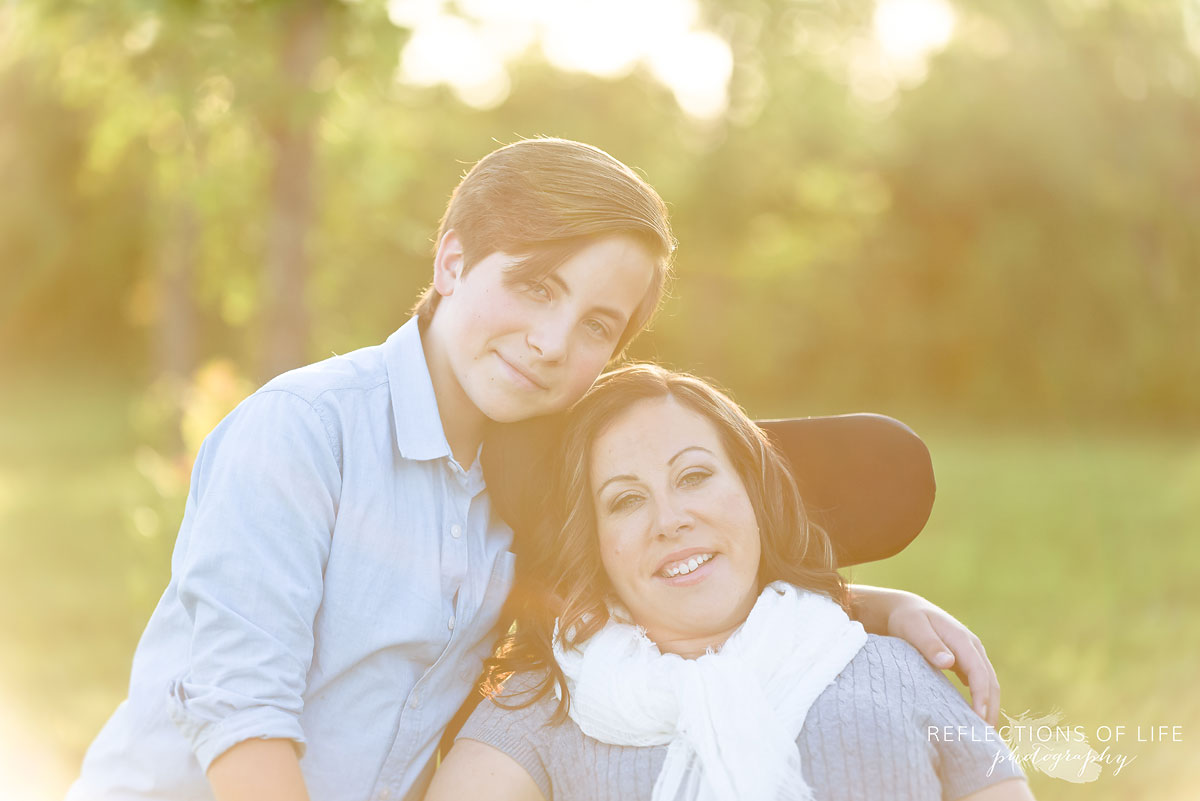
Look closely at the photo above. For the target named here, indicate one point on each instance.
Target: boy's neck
(462, 422)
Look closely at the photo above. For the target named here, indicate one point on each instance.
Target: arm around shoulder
(937, 635)
(476, 770)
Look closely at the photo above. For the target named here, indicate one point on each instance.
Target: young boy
(339, 572)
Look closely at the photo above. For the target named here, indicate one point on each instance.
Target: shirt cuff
(210, 738)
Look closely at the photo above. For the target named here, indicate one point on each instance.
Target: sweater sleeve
(522, 734)
(970, 755)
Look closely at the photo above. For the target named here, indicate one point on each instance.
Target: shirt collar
(419, 432)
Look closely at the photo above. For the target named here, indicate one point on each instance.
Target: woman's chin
(693, 629)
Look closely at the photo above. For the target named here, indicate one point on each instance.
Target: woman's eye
(623, 503)
(693, 477)
(539, 290)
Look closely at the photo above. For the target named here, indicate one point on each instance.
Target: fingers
(945, 643)
(920, 633)
(974, 669)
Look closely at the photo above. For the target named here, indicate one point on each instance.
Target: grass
(1073, 555)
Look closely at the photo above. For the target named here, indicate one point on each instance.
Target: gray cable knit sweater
(889, 727)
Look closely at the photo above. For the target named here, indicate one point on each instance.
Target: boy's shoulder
(359, 370)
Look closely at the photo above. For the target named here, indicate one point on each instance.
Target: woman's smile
(687, 570)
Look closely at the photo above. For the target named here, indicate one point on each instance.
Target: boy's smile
(510, 351)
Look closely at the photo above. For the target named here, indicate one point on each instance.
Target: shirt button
(414, 700)
(450, 623)
(456, 531)
(385, 793)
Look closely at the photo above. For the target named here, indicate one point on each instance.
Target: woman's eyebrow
(689, 448)
(629, 477)
(623, 477)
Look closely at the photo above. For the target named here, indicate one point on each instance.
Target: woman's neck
(690, 647)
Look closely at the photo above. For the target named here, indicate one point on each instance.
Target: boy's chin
(506, 410)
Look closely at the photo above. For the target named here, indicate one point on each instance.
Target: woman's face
(678, 536)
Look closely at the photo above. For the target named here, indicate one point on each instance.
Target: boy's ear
(447, 264)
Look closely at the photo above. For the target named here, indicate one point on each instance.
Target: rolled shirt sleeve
(262, 508)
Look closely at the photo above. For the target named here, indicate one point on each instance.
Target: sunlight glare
(413, 13)
(593, 38)
(609, 40)
(909, 31)
(1191, 23)
(452, 51)
(697, 66)
(30, 770)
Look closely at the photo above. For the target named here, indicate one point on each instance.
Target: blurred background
(979, 216)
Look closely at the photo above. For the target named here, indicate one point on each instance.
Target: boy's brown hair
(543, 200)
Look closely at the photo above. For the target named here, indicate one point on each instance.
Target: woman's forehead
(649, 434)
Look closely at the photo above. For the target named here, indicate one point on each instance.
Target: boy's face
(516, 351)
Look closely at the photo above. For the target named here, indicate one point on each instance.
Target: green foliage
(1013, 236)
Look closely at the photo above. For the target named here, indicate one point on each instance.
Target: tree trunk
(292, 128)
(175, 342)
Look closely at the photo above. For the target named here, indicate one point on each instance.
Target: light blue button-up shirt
(337, 581)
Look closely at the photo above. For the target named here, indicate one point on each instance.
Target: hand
(948, 644)
(943, 641)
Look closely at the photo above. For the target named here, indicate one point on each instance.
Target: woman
(691, 626)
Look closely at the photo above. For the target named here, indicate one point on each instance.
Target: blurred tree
(1008, 227)
(291, 128)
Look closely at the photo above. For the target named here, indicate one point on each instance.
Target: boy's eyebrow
(607, 311)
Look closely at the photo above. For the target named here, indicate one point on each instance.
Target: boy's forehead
(596, 305)
(611, 276)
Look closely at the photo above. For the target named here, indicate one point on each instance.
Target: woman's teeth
(686, 566)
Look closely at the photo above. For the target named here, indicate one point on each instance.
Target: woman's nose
(672, 519)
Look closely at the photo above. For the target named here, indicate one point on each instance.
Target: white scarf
(730, 718)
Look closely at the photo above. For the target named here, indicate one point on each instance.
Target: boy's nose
(549, 340)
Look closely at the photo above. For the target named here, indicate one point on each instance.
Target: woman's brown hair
(559, 572)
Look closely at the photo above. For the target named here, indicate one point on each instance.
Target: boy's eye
(597, 327)
(693, 477)
(539, 289)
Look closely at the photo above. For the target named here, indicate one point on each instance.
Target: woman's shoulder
(889, 703)
(519, 722)
(885, 670)
(892, 669)
(892, 672)
(520, 710)
(891, 655)
(526, 687)
(892, 646)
